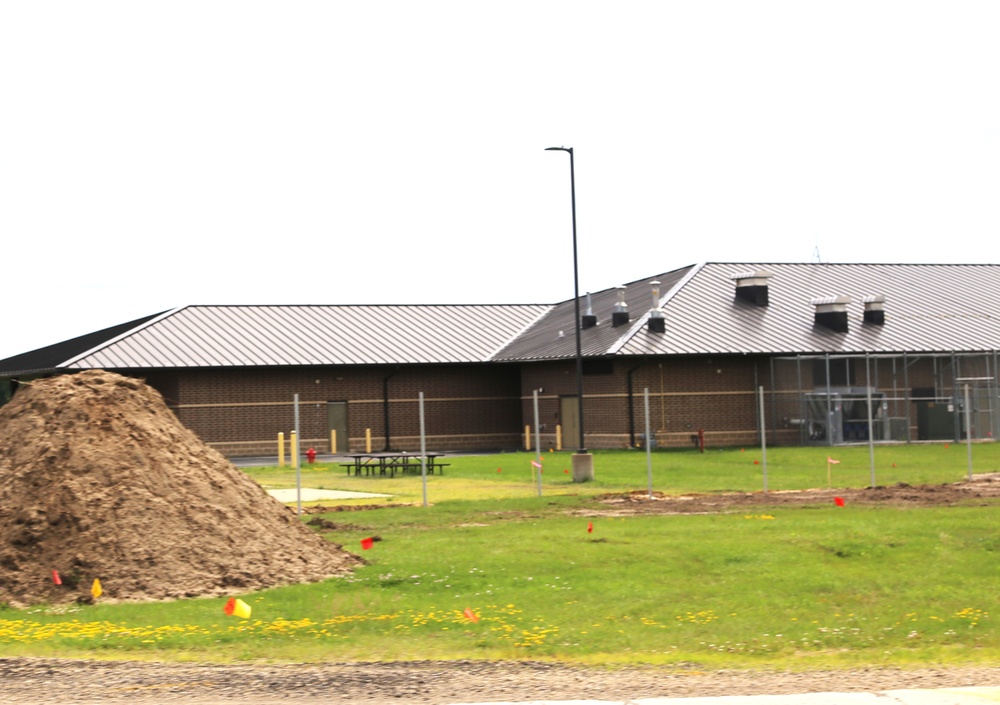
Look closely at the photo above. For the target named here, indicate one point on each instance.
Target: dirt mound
(99, 480)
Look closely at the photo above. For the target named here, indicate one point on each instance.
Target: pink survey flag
(832, 461)
(537, 465)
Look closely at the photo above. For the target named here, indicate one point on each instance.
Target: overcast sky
(158, 154)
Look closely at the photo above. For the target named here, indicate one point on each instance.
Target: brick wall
(469, 407)
(241, 411)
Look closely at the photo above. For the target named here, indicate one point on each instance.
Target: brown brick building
(712, 345)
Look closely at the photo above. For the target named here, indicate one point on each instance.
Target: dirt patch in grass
(982, 489)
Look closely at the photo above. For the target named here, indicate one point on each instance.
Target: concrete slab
(313, 495)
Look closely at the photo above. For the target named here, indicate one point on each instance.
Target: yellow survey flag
(95, 589)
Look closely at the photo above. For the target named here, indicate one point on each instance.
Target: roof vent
(752, 286)
(875, 310)
(588, 319)
(657, 323)
(619, 314)
(831, 312)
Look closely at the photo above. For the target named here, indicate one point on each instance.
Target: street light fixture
(583, 463)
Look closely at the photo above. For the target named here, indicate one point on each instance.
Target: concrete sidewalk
(939, 696)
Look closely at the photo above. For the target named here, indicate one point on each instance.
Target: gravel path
(31, 681)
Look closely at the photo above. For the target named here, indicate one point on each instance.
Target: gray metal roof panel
(554, 335)
(214, 336)
(928, 308)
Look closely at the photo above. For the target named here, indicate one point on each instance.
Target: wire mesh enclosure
(841, 399)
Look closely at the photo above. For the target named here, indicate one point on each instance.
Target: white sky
(156, 154)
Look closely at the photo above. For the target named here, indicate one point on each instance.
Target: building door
(336, 418)
(569, 417)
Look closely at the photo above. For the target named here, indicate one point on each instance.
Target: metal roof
(554, 335)
(928, 308)
(226, 336)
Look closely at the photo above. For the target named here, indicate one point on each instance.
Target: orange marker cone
(230, 606)
(590, 527)
(499, 469)
(470, 615)
(55, 577)
(566, 471)
(756, 462)
(95, 589)
(367, 543)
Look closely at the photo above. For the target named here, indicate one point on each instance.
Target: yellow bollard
(368, 440)
(333, 442)
(294, 448)
(281, 449)
(527, 437)
(558, 436)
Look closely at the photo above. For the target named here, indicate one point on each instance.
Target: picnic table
(388, 463)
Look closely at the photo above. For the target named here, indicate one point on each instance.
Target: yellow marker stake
(294, 445)
(368, 440)
(333, 442)
(527, 437)
(558, 436)
(281, 449)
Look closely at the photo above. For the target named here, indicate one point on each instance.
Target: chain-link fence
(838, 399)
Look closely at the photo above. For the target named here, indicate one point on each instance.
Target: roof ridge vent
(875, 309)
(831, 312)
(752, 286)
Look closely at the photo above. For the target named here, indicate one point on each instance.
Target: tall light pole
(583, 464)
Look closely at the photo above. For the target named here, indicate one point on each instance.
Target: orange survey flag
(470, 615)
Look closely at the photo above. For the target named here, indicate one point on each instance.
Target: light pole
(583, 462)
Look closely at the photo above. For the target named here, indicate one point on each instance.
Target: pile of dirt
(99, 480)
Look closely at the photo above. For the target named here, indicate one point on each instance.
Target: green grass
(509, 475)
(803, 588)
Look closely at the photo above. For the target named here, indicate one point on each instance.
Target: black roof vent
(619, 315)
(875, 310)
(656, 323)
(752, 286)
(588, 319)
(831, 312)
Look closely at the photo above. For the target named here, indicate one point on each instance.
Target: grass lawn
(491, 570)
